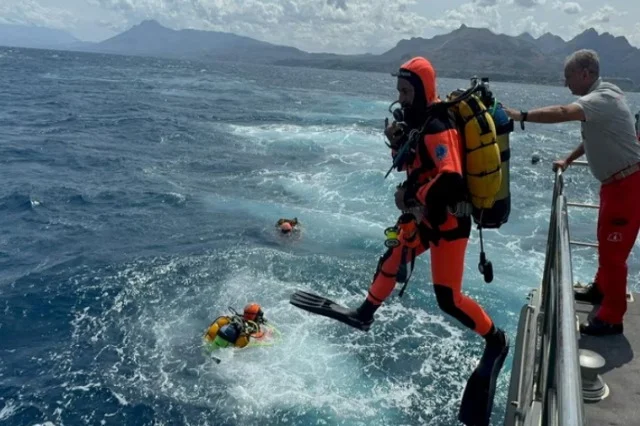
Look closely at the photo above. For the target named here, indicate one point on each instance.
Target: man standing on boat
(610, 143)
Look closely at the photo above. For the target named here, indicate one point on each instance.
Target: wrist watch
(523, 118)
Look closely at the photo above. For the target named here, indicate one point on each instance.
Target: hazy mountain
(549, 42)
(523, 58)
(149, 38)
(461, 53)
(618, 58)
(35, 37)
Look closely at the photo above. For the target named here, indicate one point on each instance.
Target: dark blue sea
(138, 202)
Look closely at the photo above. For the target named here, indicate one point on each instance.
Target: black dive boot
(364, 313)
(477, 401)
(360, 318)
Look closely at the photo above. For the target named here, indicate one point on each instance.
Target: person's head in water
(416, 89)
(286, 227)
(253, 312)
(535, 159)
(581, 70)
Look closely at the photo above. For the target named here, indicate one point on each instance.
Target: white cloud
(115, 25)
(335, 25)
(475, 14)
(342, 4)
(529, 3)
(31, 12)
(634, 38)
(530, 25)
(599, 17)
(345, 26)
(570, 7)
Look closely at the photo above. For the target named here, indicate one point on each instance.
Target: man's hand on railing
(563, 164)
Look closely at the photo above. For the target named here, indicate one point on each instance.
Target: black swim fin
(322, 306)
(477, 401)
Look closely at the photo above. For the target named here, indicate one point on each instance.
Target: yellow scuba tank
(243, 340)
(485, 133)
(483, 170)
(215, 326)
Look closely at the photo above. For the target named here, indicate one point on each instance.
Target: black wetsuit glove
(448, 190)
(410, 196)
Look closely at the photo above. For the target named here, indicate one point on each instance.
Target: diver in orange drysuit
(435, 217)
(236, 329)
(435, 187)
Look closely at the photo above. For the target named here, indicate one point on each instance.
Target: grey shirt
(608, 133)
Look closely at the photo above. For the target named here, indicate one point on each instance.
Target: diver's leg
(384, 279)
(406, 265)
(447, 268)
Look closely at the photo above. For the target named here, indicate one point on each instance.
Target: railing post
(559, 381)
(570, 408)
(547, 299)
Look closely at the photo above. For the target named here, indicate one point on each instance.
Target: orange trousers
(447, 269)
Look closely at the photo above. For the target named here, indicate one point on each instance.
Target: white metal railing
(556, 397)
(560, 383)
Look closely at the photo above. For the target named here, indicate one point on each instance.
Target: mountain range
(461, 53)
(38, 37)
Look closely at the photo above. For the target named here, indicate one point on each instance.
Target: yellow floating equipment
(212, 332)
(484, 128)
(485, 134)
(483, 169)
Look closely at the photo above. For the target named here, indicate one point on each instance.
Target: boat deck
(621, 371)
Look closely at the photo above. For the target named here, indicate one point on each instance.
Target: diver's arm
(445, 190)
(396, 137)
(549, 114)
(448, 186)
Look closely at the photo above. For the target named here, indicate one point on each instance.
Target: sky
(340, 26)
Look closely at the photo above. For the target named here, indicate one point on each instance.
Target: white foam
(350, 137)
(9, 409)
(316, 365)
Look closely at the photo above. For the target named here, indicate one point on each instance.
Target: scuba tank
(498, 214)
